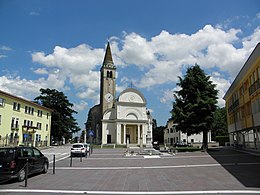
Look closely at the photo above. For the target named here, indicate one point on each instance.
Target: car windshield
(6, 152)
(77, 146)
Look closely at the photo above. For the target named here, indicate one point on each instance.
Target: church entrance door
(109, 139)
(128, 138)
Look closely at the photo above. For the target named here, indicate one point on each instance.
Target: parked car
(182, 144)
(156, 145)
(78, 149)
(13, 161)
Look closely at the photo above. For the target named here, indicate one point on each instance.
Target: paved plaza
(109, 171)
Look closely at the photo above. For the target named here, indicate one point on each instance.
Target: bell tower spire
(108, 56)
(107, 81)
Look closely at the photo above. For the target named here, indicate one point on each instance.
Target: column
(124, 133)
(138, 131)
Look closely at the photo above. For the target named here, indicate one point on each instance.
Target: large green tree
(157, 132)
(219, 125)
(63, 124)
(195, 103)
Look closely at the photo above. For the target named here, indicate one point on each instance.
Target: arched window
(109, 74)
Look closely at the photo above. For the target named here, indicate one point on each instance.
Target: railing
(233, 106)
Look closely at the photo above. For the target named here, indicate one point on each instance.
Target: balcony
(233, 106)
(254, 87)
(15, 127)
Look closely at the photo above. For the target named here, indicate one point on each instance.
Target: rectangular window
(16, 106)
(47, 127)
(40, 113)
(17, 123)
(13, 122)
(251, 80)
(2, 100)
(47, 115)
(32, 110)
(39, 126)
(26, 109)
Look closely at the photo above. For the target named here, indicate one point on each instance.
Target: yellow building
(23, 122)
(243, 104)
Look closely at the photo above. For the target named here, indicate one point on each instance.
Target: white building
(172, 136)
(127, 120)
(122, 119)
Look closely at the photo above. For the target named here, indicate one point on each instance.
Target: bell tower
(107, 81)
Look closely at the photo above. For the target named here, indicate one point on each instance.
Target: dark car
(13, 161)
(156, 145)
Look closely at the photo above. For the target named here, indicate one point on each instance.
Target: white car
(78, 149)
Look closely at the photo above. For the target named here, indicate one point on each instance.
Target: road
(108, 171)
(60, 152)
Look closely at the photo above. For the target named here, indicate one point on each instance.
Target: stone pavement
(108, 171)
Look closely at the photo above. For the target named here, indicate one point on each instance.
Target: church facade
(123, 119)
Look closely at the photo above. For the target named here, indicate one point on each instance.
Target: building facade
(128, 121)
(23, 122)
(124, 119)
(172, 136)
(243, 104)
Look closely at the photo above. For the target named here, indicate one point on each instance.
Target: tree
(63, 124)
(157, 132)
(219, 125)
(195, 103)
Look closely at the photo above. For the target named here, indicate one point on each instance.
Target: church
(119, 120)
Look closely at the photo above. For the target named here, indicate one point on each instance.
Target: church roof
(108, 60)
(131, 95)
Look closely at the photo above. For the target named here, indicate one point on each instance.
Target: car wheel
(21, 175)
(45, 168)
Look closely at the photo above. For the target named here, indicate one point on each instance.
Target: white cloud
(21, 87)
(80, 59)
(136, 50)
(41, 71)
(5, 48)
(160, 60)
(167, 96)
(82, 105)
(222, 85)
(3, 56)
(34, 13)
(258, 15)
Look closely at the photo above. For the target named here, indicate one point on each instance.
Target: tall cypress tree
(195, 103)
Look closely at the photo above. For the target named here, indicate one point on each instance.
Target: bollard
(80, 157)
(70, 160)
(53, 169)
(91, 149)
(26, 172)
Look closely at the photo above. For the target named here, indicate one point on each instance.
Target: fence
(14, 141)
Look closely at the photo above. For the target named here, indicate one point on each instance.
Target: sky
(61, 45)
